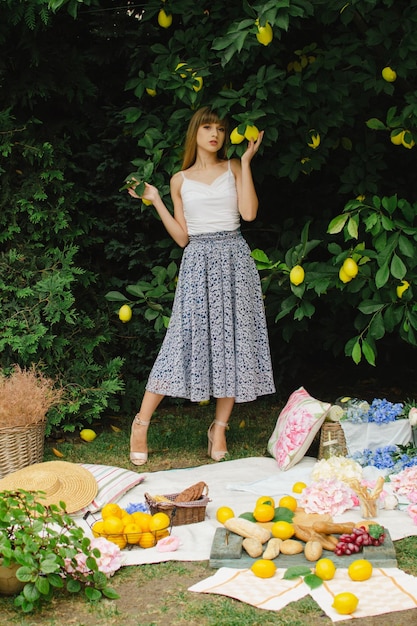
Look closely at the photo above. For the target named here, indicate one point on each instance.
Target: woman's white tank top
(210, 208)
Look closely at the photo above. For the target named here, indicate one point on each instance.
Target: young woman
(216, 344)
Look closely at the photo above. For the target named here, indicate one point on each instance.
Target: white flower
(338, 467)
(412, 416)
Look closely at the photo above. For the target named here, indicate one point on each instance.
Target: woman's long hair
(205, 115)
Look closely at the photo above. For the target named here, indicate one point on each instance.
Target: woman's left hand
(253, 147)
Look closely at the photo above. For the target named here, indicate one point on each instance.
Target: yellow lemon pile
(138, 528)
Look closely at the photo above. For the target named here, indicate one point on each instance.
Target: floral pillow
(296, 427)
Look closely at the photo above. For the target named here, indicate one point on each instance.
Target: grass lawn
(155, 595)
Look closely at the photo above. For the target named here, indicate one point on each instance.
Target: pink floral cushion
(297, 424)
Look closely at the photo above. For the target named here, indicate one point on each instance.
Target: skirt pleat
(216, 344)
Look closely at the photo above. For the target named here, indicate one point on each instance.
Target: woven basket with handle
(332, 431)
(21, 446)
(180, 513)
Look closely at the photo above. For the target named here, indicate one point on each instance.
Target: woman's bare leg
(217, 447)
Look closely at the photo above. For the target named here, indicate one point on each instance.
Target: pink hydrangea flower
(109, 561)
(405, 482)
(412, 512)
(328, 496)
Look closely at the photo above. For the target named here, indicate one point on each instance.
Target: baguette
(245, 528)
(330, 528)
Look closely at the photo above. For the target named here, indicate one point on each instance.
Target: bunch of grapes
(351, 543)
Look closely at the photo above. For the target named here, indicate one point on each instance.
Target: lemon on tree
(345, 603)
(151, 92)
(251, 133)
(87, 434)
(147, 202)
(350, 267)
(297, 275)
(198, 82)
(236, 137)
(125, 313)
(389, 74)
(402, 288)
(359, 570)
(397, 137)
(325, 569)
(264, 568)
(345, 278)
(164, 20)
(407, 140)
(264, 34)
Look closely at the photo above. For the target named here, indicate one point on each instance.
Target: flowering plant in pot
(50, 553)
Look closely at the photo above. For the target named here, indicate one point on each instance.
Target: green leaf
(368, 352)
(337, 224)
(382, 275)
(313, 581)
(136, 291)
(375, 124)
(282, 514)
(369, 306)
(248, 516)
(42, 585)
(93, 594)
(296, 571)
(356, 353)
(398, 269)
(110, 593)
(352, 227)
(115, 296)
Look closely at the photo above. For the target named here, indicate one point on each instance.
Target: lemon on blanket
(265, 500)
(298, 487)
(282, 530)
(345, 603)
(359, 570)
(325, 569)
(264, 568)
(224, 513)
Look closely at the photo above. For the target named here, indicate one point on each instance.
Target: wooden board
(226, 551)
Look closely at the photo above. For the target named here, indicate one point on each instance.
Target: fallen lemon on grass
(298, 487)
(325, 569)
(224, 513)
(264, 568)
(359, 570)
(345, 603)
(282, 530)
(289, 502)
(87, 434)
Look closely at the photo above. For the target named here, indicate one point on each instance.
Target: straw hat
(61, 481)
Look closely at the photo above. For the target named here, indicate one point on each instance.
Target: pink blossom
(412, 416)
(109, 561)
(412, 512)
(405, 481)
(328, 496)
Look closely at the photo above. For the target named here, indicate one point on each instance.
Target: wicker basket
(21, 446)
(180, 513)
(332, 431)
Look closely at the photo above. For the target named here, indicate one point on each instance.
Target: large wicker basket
(21, 446)
(332, 431)
(180, 513)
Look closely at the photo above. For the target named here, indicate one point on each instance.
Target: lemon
(345, 603)
(251, 133)
(282, 530)
(297, 275)
(345, 278)
(264, 512)
(111, 509)
(397, 139)
(98, 529)
(164, 20)
(199, 82)
(325, 569)
(289, 502)
(159, 521)
(224, 513)
(236, 137)
(361, 569)
(151, 92)
(265, 500)
(298, 487)
(401, 288)
(350, 267)
(182, 65)
(264, 34)
(389, 74)
(125, 313)
(87, 434)
(264, 568)
(146, 202)
(407, 144)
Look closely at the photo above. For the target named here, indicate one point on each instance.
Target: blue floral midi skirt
(216, 344)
